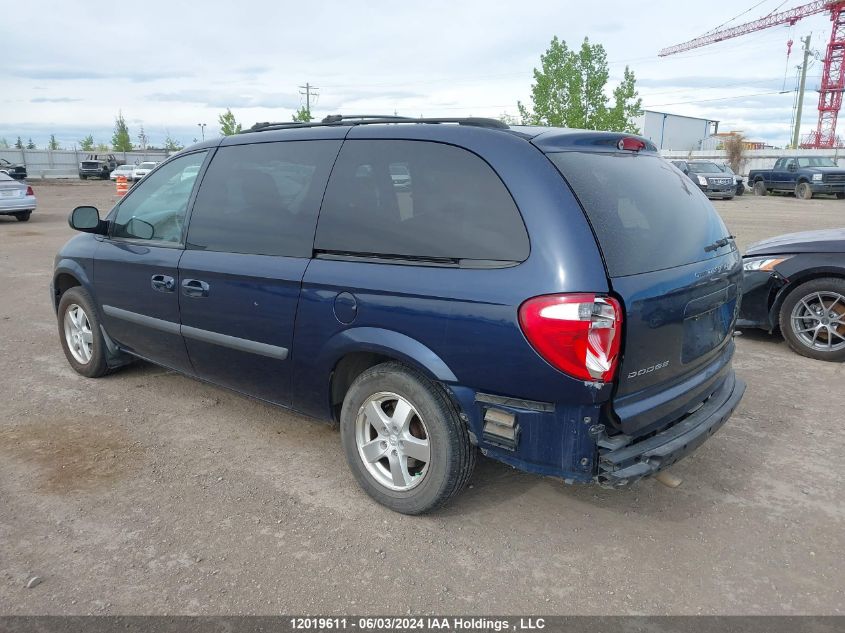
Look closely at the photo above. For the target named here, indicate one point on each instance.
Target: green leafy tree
(508, 119)
(87, 144)
(228, 124)
(102, 147)
(120, 140)
(30, 144)
(569, 90)
(627, 106)
(19, 143)
(4, 144)
(302, 115)
(53, 144)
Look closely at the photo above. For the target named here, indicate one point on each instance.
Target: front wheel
(80, 335)
(404, 442)
(812, 319)
(740, 189)
(803, 191)
(840, 196)
(760, 188)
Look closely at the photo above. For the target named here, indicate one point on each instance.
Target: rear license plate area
(708, 321)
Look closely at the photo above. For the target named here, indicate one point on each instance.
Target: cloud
(74, 74)
(53, 100)
(218, 99)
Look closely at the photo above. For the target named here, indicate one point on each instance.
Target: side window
(789, 163)
(262, 198)
(155, 208)
(418, 199)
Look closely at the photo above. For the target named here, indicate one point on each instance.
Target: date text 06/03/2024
(410, 623)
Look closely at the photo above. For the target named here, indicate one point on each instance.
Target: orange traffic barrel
(122, 186)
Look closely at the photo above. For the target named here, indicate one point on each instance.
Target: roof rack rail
(370, 119)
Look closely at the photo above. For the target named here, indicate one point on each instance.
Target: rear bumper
(27, 203)
(626, 464)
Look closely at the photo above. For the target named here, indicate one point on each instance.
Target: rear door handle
(194, 288)
(163, 283)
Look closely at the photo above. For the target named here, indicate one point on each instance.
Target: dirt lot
(146, 492)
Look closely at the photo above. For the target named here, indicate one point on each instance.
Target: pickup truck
(803, 175)
(98, 166)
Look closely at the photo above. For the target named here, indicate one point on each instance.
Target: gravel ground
(149, 493)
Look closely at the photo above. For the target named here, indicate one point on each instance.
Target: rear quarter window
(418, 199)
(646, 214)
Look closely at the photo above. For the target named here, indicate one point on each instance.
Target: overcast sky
(69, 66)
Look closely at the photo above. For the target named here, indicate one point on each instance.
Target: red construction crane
(833, 73)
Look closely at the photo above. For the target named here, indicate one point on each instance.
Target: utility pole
(796, 131)
(308, 88)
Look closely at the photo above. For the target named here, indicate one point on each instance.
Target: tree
(734, 146)
(4, 144)
(228, 124)
(171, 144)
(302, 115)
(142, 139)
(87, 144)
(30, 144)
(569, 90)
(508, 119)
(19, 143)
(102, 147)
(120, 140)
(627, 105)
(53, 144)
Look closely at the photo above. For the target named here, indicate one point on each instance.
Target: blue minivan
(561, 300)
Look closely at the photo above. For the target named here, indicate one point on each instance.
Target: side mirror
(87, 220)
(138, 228)
(686, 171)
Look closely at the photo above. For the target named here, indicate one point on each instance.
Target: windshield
(646, 214)
(815, 161)
(704, 168)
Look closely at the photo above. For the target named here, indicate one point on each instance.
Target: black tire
(23, 217)
(452, 454)
(803, 191)
(740, 189)
(729, 197)
(96, 366)
(81, 177)
(840, 196)
(760, 188)
(793, 299)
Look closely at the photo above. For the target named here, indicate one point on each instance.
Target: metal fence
(754, 159)
(45, 163)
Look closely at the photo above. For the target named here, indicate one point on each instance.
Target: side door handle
(163, 283)
(194, 288)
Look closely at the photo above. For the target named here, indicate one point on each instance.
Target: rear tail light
(29, 191)
(579, 334)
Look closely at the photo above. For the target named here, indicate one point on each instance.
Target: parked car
(144, 168)
(709, 177)
(520, 299)
(127, 171)
(805, 176)
(16, 198)
(98, 166)
(738, 180)
(15, 170)
(796, 284)
(400, 175)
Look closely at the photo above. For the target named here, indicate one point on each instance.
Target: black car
(709, 177)
(15, 170)
(796, 283)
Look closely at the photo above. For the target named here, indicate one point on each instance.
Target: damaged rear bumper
(625, 460)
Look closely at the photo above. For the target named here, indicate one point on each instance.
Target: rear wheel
(840, 196)
(760, 188)
(23, 217)
(812, 319)
(404, 442)
(803, 191)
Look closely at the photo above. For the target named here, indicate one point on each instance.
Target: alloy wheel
(393, 441)
(78, 335)
(818, 320)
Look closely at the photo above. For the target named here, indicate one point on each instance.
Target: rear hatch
(676, 274)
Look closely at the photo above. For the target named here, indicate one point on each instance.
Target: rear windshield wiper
(719, 244)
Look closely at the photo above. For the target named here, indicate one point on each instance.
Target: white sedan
(124, 170)
(143, 169)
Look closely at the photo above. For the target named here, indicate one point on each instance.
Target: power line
(756, 94)
(308, 88)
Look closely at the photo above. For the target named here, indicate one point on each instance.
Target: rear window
(418, 199)
(646, 214)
